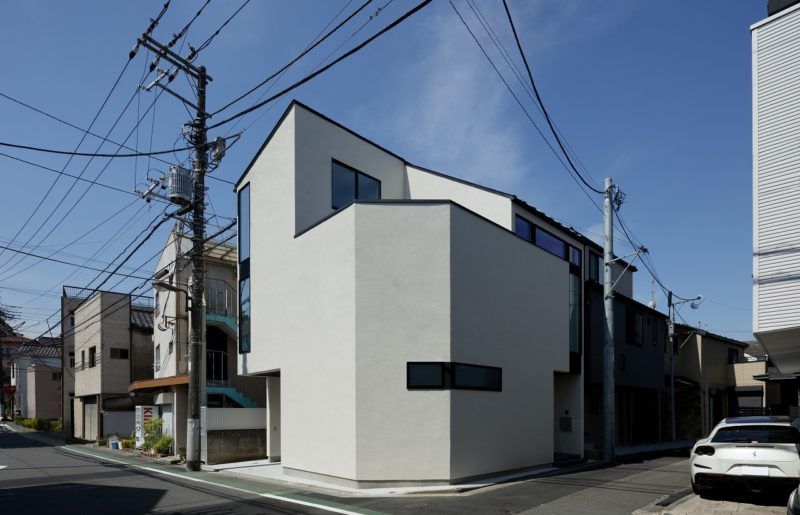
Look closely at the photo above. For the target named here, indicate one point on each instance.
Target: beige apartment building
(113, 346)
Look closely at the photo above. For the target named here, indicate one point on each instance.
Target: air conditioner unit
(180, 185)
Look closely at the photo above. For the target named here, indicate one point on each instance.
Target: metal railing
(216, 368)
(221, 298)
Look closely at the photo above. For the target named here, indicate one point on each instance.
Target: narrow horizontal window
(433, 375)
(349, 184)
(523, 228)
(119, 353)
(552, 244)
(477, 377)
(425, 375)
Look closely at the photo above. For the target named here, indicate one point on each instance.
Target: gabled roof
(516, 200)
(702, 332)
(142, 319)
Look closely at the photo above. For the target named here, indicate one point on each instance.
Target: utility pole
(197, 327)
(671, 334)
(609, 409)
(193, 201)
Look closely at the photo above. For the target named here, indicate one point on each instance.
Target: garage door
(90, 419)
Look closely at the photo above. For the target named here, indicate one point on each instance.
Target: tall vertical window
(574, 312)
(348, 184)
(244, 269)
(92, 356)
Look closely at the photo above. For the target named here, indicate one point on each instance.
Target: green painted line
(312, 502)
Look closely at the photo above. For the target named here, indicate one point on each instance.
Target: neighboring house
(713, 380)
(222, 388)
(71, 298)
(642, 396)
(413, 327)
(776, 203)
(8, 346)
(113, 346)
(36, 378)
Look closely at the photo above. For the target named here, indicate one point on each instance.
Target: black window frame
(356, 174)
(244, 330)
(449, 377)
(563, 255)
(93, 356)
(733, 356)
(121, 353)
(595, 268)
(521, 220)
(632, 336)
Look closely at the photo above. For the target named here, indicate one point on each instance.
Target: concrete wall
(141, 355)
(233, 445)
(510, 309)
(68, 305)
(120, 423)
(170, 320)
(77, 421)
(742, 373)
(402, 313)
(44, 392)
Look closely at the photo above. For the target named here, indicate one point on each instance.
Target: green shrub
(164, 445)
(55, 426)
(127, 443)
(153, 429)
(102, 442)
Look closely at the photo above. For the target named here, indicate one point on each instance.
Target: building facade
(113, 346)
(169, 379)
(776, 203)
(413, 327)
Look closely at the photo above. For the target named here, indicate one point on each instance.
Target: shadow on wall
(779, 277)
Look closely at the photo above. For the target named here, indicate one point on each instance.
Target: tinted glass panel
(757, 434)
(244, 315)
(244, 223)
(343, 186)
(425, 375)
(575, 256)
(522, 228)
(368, 188)
(477, 377)
(574, 313)
(550, 243)
(594, 267)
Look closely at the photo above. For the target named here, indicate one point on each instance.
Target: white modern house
(414, 328)
(776, 185)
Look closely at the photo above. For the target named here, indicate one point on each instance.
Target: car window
(757, 434)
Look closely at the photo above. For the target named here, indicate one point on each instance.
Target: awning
(783, 348)
(161, 382)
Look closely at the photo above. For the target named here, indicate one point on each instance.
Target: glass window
(343, 186)
(523, 228)
(244, 224)
(157, 356)
(595, 267)
(574, 313)
(348, 184)
(244, 316)
(475, 377)
(92, 356)
(733, 356)
(575, 256)
(546, 241)
(634, 326)
(119, 353)
(368, 188)
(757, 434)
(424, 375)
(244, 270)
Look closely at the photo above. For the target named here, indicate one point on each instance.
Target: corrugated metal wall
(776, 173)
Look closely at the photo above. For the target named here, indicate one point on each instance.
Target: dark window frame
(357, 173)
(521, 219)
(120, 352)
(563, 255)
(93, 356)
(244, 330)
(449, 376)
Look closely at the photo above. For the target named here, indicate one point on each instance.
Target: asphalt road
(38, 475)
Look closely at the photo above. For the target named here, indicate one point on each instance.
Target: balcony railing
(216, 368)
(221, 298)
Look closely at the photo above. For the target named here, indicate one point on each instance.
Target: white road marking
(189, 478)
(9, 428)
(3, 466)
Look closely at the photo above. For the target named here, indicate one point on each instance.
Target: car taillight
(704, 450)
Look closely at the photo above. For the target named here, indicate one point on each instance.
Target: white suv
(750, 452)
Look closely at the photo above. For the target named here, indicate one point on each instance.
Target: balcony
(221, 303)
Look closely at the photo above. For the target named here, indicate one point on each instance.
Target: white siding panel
(776, 173)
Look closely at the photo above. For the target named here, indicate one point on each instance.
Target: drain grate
(674, 497)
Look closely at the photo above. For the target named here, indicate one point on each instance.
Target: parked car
(753, 453)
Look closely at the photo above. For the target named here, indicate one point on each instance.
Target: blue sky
(655, 94)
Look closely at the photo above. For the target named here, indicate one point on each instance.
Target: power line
(326, 67)
(544, 109)
(62, 262)
(316, 42)
(97, 154)
(193, 54)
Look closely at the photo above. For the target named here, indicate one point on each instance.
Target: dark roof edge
(703, 332)
(628, 300)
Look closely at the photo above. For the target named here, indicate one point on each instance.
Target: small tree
(153, 429)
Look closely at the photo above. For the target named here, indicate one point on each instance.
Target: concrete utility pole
(197, 327)
(609, 409)
(179, 194)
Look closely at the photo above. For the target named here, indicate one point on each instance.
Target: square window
(422, 375)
